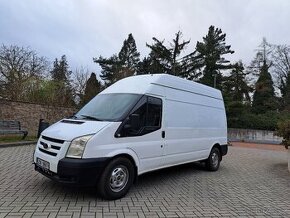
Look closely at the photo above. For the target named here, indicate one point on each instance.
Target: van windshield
(108, 107)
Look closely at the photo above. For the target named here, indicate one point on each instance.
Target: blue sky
(89, 28)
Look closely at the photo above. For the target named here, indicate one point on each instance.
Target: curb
(13, 144)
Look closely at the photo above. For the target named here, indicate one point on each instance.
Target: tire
(214, 159)
(116, 179)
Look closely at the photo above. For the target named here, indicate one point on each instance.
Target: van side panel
(194, 123)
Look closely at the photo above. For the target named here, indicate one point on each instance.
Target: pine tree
(166, 59)
(235, 86)
(144, 66)
(110, 68)
(129, 56)
(191, 67)
(236, 94)
(93, 87)
(60, 71)
(209, 55)
(264, 95)
(63, 94)
(122, 65)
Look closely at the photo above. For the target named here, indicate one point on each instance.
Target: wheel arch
(130, 155)
(218, 146)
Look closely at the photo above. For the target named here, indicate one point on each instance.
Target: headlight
(77, 146)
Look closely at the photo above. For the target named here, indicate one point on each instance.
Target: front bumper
(83, 172)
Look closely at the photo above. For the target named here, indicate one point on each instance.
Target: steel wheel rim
(215, 159)
(119, 178)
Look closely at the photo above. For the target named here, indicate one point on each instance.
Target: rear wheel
(116, 179)
(213, 161)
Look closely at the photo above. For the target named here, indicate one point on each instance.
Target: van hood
(69, 129)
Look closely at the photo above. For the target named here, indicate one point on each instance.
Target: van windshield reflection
(108, 107)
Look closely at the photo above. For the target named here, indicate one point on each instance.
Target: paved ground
(250, 182)
(259, 146)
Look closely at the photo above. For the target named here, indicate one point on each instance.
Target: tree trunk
(289, 159)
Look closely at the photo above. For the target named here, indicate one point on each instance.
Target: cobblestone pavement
(259, 146)
(250, 182)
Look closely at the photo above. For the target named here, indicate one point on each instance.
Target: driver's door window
(149, 118)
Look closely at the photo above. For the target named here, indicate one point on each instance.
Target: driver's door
(145, 139)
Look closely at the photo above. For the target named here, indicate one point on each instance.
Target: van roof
(142, 84)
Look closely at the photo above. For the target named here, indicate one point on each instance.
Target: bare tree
(79, 79)
(281, 65)
(18, 67)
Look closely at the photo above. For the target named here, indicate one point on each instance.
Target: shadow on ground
(148, 180)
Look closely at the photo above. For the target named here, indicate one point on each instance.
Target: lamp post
(214, 80)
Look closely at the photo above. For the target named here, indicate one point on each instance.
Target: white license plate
(42, 163)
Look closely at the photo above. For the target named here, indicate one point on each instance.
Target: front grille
(55, 147)
(47, 152)
(52, 139)
(50, 146)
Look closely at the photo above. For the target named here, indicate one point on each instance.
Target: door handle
(163, 134)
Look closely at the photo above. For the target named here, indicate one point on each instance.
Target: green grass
(16, 138)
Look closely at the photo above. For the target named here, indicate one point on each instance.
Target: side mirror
(134, 121)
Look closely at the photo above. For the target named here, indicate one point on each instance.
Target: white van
(139, 124)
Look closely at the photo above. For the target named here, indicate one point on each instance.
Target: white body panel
(193, 118)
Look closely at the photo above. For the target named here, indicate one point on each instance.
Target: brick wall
(29, 114)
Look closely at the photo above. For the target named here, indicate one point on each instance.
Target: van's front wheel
(116, 179)
(214, 159)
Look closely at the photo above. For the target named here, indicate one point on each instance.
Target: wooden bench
(11, 127)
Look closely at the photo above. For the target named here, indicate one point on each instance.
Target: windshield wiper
(72, 117)
(91, 117)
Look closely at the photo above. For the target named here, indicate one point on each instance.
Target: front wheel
(116, 179)
(214, 159)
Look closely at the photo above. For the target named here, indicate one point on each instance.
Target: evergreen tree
(129, 56)
(236, 93)
(93, 87)
(63, 94)
(191, 67)
(166, 59)
(264, 95)
(122, 65)
(235, 86)
(110, 68)
(60, 71)
(209, 55)
(144, 66)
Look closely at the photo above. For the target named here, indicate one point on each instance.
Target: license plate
(42, 163)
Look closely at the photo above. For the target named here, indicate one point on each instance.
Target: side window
(154, 112)
(146, 118)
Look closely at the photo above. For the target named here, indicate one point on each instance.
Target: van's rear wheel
(214, 159)
(116, 179)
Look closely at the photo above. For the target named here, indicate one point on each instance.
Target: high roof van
(139, 124)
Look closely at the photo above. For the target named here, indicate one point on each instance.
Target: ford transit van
(139, 124)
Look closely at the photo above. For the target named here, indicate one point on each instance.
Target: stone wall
(29, 114)
(256, 136)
